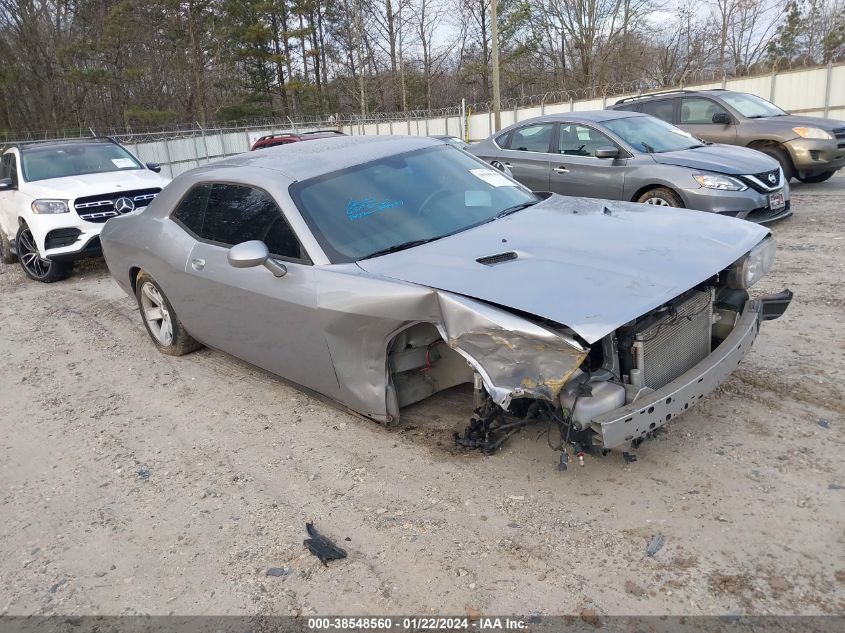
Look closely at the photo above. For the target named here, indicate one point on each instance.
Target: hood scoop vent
(500, 258)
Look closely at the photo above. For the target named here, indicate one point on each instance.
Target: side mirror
(254, 253)
(722, 118)
(505, 169)
(156, 167)
(607, 152)
(6, 184)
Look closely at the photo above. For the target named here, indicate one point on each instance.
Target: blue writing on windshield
(357, 209)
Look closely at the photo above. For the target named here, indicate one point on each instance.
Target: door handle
(198, 264)
(561, 170)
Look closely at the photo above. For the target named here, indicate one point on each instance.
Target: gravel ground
(138, 483)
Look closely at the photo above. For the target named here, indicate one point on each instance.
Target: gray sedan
(379, 271)
(628, 156)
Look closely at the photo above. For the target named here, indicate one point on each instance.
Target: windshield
(750, 106)
(403, 200)
(651, 135)
(75, 159)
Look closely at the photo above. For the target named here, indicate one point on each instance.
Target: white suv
(55, 197)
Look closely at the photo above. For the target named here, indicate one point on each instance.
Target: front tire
(164, 327)
(781, 156)
(6, 254)
(818, 177)
(44, 270)
(662, 197)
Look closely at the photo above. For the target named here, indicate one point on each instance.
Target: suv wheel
(781, 156)
(6, 255)
(44, 270)
(818, 177)
(662, 197)
(162, 324)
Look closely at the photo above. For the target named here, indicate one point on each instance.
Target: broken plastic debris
(322, 547)
(655, 546)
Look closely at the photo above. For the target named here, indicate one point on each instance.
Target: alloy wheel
(156, 314)
(34, 264)
(660, 202)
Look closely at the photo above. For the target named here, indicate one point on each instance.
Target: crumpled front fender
(361, 314)
(515, 357)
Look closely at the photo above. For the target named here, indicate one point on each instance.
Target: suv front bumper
(816, 156)
(618, 428)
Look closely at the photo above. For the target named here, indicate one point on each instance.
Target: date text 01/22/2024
(418, 623)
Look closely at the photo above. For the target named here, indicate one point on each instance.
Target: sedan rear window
(403, 200)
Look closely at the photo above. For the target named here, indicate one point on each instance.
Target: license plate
(776, 201)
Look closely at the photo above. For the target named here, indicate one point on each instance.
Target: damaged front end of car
(625, 386)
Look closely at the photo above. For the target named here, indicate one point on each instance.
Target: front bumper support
(618, 428)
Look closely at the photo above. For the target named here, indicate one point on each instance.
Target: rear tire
(6, 254)
(164, 327)
(782, 157)
(818, 177)
(662, 197)
(44, 270)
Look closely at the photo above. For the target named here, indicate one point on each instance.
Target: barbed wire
(174, 131)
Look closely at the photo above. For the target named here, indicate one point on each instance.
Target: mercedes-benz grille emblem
(773, 178)
(124, 205)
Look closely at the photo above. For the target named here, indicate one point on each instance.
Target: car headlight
(718, 181)
(748, 270)
(812, 132)
(49, 206)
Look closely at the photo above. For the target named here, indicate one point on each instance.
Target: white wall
(814, 92)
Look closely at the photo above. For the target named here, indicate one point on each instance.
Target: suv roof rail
(21, 144)
(654, 94)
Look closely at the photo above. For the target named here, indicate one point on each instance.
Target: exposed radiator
(670, 346)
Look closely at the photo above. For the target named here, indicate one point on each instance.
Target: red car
(283, 139)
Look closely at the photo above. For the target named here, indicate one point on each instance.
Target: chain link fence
(811, 90)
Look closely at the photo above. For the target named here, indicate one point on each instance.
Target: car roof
(587, 116)
(667, 94)
(300, 161)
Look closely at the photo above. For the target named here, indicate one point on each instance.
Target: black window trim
(306, 261)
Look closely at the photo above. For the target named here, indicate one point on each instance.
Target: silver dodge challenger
(378, 271)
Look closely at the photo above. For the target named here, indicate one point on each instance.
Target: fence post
(426, 127)
(390, 126)
(828, 77)
(515, 111)
(772, 85)
(204, 143)
(571, 104)
(446, 120)
(377, 132)
(167, 153)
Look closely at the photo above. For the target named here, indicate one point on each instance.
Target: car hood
(592, 265)
(791, 120)
(724, 159)
(72, 187)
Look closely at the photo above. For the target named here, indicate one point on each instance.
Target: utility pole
(497, 97)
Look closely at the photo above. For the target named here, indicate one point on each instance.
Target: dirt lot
(138, 483)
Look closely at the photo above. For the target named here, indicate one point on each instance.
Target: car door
(10, 197)
(266, 320)
(696, 117)
(527, 155)
(575, 169)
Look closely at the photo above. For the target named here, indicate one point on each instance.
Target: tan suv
(808, 148)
